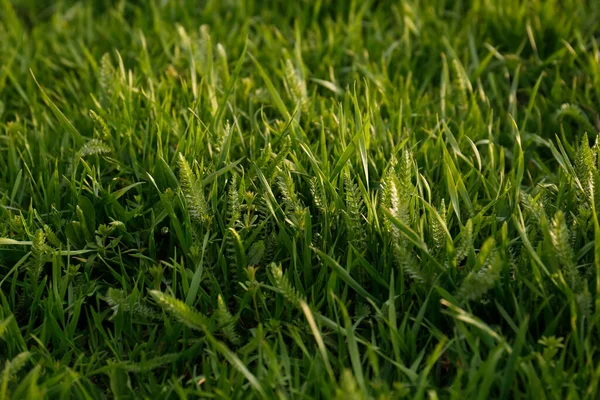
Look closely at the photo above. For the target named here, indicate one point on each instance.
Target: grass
(324, 199)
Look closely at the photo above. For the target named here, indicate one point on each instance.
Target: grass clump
(243, 199)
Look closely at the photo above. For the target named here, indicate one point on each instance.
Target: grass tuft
(330, 199)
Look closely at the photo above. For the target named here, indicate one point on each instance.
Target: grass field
(307, 199)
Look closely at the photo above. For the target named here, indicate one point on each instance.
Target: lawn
(307, 199)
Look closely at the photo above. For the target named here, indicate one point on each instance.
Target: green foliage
(397, 190)
(465, 244)
(233, 203)
(180, 311)
(38, 250)
(318, 195)
(10, 371)
(354, 215)
(437, 230)
(367, 200)
(191, 187)
(226, 322)
(562, 247)
(104, 132)
(575, 113)
(295, 85)
(106, 76)
(283, 284)
(119, 301)
(533, 207)
(585, 166)
(94, 146)
(485, 274)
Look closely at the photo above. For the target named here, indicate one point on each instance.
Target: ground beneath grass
(309, 199)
